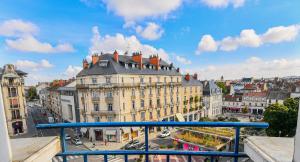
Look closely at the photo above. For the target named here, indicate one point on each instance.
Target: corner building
(125, 88)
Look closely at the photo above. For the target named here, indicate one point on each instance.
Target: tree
(223, 87)
(32, 94)
(282, 119)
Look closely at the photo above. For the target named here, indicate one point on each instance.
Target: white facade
(68, 108)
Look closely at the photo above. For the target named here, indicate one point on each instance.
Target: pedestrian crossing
(77, 157)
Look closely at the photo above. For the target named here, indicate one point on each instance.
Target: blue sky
(235, 38)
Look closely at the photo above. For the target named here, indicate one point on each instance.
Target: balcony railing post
(105, 158)
(190, 158)
(63, 143)
(85, 159)
(236, 143)
(146, 142)
(125, 158)
(168, 158)
(212, 159)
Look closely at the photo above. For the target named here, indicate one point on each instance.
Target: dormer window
(103, 63)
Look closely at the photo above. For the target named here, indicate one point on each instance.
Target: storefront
(111, 135)
(98, 134)
(18, 127)
(125, 133)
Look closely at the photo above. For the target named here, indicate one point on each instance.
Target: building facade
(255, 102)
(12, 81)
(69, 103)
(212, 99)
(124, 88)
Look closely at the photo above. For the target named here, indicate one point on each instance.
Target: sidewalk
(113, 145)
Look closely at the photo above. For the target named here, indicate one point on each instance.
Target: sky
(234, 38)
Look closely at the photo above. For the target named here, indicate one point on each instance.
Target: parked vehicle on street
(67, 137)
(165, 133)
(50, 119)
(132, 145)
(76, 141)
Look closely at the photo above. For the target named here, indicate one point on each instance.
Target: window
(94, 80)
(150, 91)
(142, 80)
(96, 107)
(150, 103)
(70, 112)
(177, 108)
(142, 103)
(107, 79)
(165, 79)
(172, 110)
(81, 81)
(177, 79)
(150, 79)
(123, 106)
(122, 80)
(158, 113)
(150, 115)
(158, 102)
(110, 107)
(123, 92)
(165, 111)
(12, 92)
(124, 118)
(133, 117)
(142, 92)
(133, 104)
(110, 118)
(133, 92)
(143, 116)
(95, 94)
(109, 94)
(97, 119)
(15, 114)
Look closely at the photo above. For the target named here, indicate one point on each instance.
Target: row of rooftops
(279, 95)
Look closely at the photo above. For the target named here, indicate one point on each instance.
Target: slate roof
(191, 82)
(211, 88)
(19, 72)
(278, 95)
(114, 67)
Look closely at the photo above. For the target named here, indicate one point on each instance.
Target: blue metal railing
(235, 154)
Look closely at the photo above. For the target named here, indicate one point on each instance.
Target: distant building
(39, 90)
(277, 97)
(12, 82)
(255, 102)
(232, 104)
(247, 80)
(69, 103)
(212, 99)
(296, 92)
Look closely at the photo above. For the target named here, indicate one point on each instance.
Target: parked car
(132, 145)
(151, 147)
(67, 137)
(76, 141)
(164, 133)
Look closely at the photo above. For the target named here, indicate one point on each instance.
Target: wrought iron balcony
(212, 154)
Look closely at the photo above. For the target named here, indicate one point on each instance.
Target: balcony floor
(269, 149)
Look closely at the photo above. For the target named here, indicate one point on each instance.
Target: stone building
(124, 88)
(12, 82)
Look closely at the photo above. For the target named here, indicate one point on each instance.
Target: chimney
(138, 58)
(178, 70)
(116, 56)
(85, 64)
(187, 77)
(95, 58)
(155, 61)
(195, 76)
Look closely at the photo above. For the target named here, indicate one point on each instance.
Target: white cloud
(253, 66)
(122, 43)
(30, 44)
(72, 71)
(223, 3)
(183, 60)
(207, 44)
(281, 34)
(132, 10)
(31, 65)
(151, 32)
(249, 38)
(16, 27)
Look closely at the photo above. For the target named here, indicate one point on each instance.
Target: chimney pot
(95, 59)
(116, 56)
(187, 77)
(195, 76)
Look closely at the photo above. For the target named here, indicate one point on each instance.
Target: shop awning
(180, 117)
(111, 132)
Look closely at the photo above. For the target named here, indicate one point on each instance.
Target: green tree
(32, 94)
(223, 87)
(282, 119)
(245, 110)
